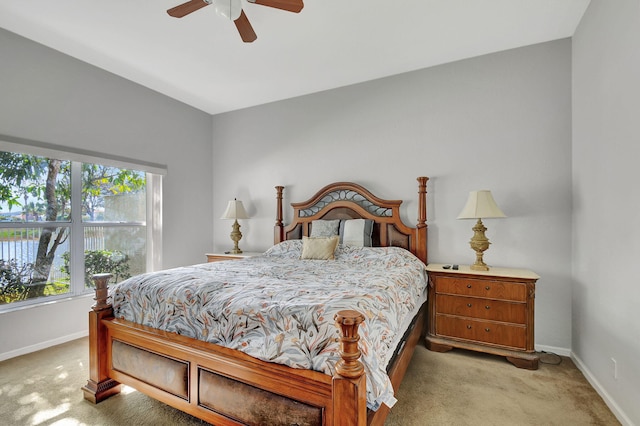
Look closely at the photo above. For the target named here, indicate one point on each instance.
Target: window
(62, 221)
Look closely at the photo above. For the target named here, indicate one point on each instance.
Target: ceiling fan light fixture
(230, 9)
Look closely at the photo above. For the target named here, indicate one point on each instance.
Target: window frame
(153, 211)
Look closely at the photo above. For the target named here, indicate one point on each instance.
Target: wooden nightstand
(217, 257)
(486, 311)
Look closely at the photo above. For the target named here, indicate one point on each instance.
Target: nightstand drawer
(481, 288)
(508, 335)
(481, 308)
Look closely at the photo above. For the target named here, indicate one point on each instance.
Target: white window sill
(60, 299)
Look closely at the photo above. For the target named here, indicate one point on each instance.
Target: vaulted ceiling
(201, 60)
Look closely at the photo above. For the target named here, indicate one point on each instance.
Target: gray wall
(49, 97)
(500, 122)
(606, 235)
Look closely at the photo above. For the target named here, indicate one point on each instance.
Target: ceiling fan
(232, 9)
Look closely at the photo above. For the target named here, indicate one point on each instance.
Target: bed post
(349, 382)
(422, 219)
(278, 231)
(99, 386)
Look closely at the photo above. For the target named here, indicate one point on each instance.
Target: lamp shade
(480, 204)
(235, 210)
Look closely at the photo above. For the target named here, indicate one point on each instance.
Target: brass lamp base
(479, 242)
(236, 236)
(479, 267)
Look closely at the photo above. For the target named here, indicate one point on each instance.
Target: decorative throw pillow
(356, 232)
(324, 228)
(319, 248)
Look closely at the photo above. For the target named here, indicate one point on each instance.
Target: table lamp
(480, 204)
(235, 210)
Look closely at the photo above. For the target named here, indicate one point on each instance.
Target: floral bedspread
(279, 308)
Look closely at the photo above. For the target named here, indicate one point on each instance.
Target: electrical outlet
(614, 364)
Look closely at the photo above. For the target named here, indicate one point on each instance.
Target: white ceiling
(201, 61)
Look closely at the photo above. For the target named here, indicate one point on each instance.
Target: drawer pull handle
(487, 330)
(468, 305)
(487, 288)
(468, 285)
(487, 307)
(468, 327)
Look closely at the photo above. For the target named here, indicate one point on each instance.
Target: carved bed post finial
(99, 386)
(278, 229)
(349, 383)
(102, 293)
(349, 321)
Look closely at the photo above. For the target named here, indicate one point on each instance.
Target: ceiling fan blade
(245, 29)
(288, 5)
(186, 8)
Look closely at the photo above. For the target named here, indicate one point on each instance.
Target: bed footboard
(221, 385)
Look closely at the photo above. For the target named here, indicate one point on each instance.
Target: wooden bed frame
(227, 387)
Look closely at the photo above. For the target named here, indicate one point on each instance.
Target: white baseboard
(42, 345)
(554, 350)
(615, 409)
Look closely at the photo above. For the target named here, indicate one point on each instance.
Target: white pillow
(356, 232)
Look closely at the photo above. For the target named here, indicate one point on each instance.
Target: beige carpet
(455, 388)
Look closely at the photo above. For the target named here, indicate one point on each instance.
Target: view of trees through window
(62, 221)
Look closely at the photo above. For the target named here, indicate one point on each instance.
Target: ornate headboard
(346, 200)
